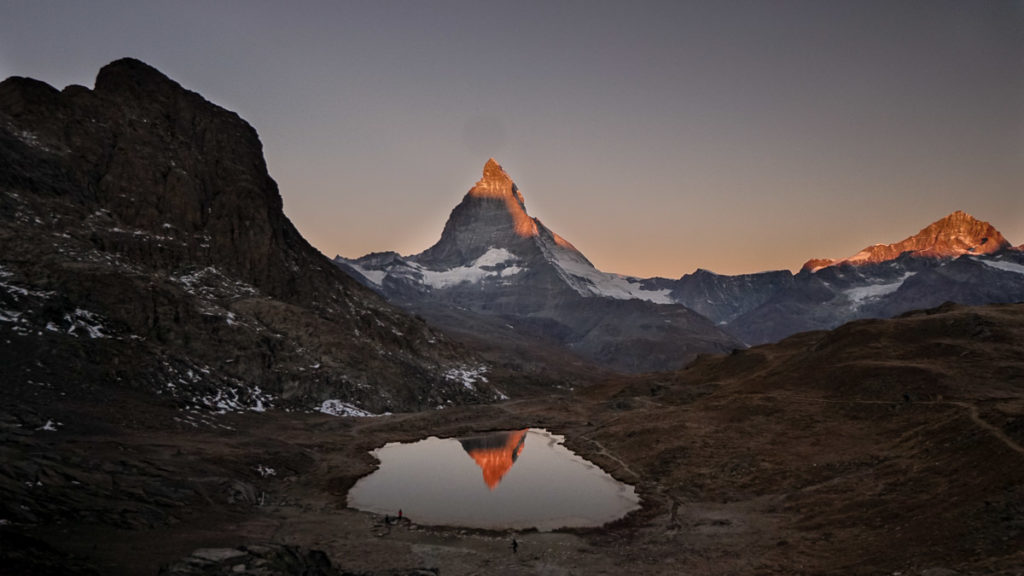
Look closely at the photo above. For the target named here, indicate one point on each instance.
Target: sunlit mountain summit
(955, 235)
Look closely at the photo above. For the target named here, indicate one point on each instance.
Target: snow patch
(860, 295)
(1004, 266)
(229, 398)
(50, 426)
(265, 471)
(587, 280)
(467, 375)
(475, 272)
(84, 321)
(374, 276)
(10, 316)
(343, 409)
(17, 291)
(212, 283)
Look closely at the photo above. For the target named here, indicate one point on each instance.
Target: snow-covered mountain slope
(493, 258)
(489, 236)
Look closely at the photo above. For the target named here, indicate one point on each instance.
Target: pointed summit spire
(491, 167)
(496, 183)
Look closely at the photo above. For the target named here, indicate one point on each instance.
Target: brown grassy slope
(882, 445)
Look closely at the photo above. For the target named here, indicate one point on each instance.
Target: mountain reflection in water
(548, 487)
(495, 453)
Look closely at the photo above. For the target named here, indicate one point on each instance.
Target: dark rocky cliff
(143, 241)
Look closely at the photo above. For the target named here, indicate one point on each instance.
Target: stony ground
(880, 448)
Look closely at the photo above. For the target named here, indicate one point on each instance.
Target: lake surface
(504, 480)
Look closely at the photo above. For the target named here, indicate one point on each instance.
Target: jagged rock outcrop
(144, 242)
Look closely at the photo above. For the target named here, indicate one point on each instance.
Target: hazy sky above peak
(657, 137)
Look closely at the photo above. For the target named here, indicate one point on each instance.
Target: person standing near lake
(515, 546)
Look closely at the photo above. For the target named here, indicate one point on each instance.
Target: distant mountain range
(493, 261)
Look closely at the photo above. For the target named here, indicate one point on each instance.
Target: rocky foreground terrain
(883, 447)
(185, 387)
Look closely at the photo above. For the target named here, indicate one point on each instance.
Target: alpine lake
(513, 480)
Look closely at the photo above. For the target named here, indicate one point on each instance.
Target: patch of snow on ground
(10, 316)
(50, 426)
(1005, 266)
(467, 375)
(212, 283)
(339, 408)
(265, 471)
(227, 398)
(83, 320)
(475, 272)
(17, 291)
(861, 294)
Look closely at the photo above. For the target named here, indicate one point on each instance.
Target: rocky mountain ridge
(491, 252)
(954, 235)
(957, 258)
(143, 244)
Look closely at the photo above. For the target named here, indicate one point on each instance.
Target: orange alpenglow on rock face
(955, 235)
(497, 184)
(495, 453)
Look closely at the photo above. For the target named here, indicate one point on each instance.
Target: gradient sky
(658, 137)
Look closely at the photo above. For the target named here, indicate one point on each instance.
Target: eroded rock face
(143, 241)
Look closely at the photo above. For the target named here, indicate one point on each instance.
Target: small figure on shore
(399, 513)
(515, 546)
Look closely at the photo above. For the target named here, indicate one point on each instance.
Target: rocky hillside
(143, 246)
(879, 447)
